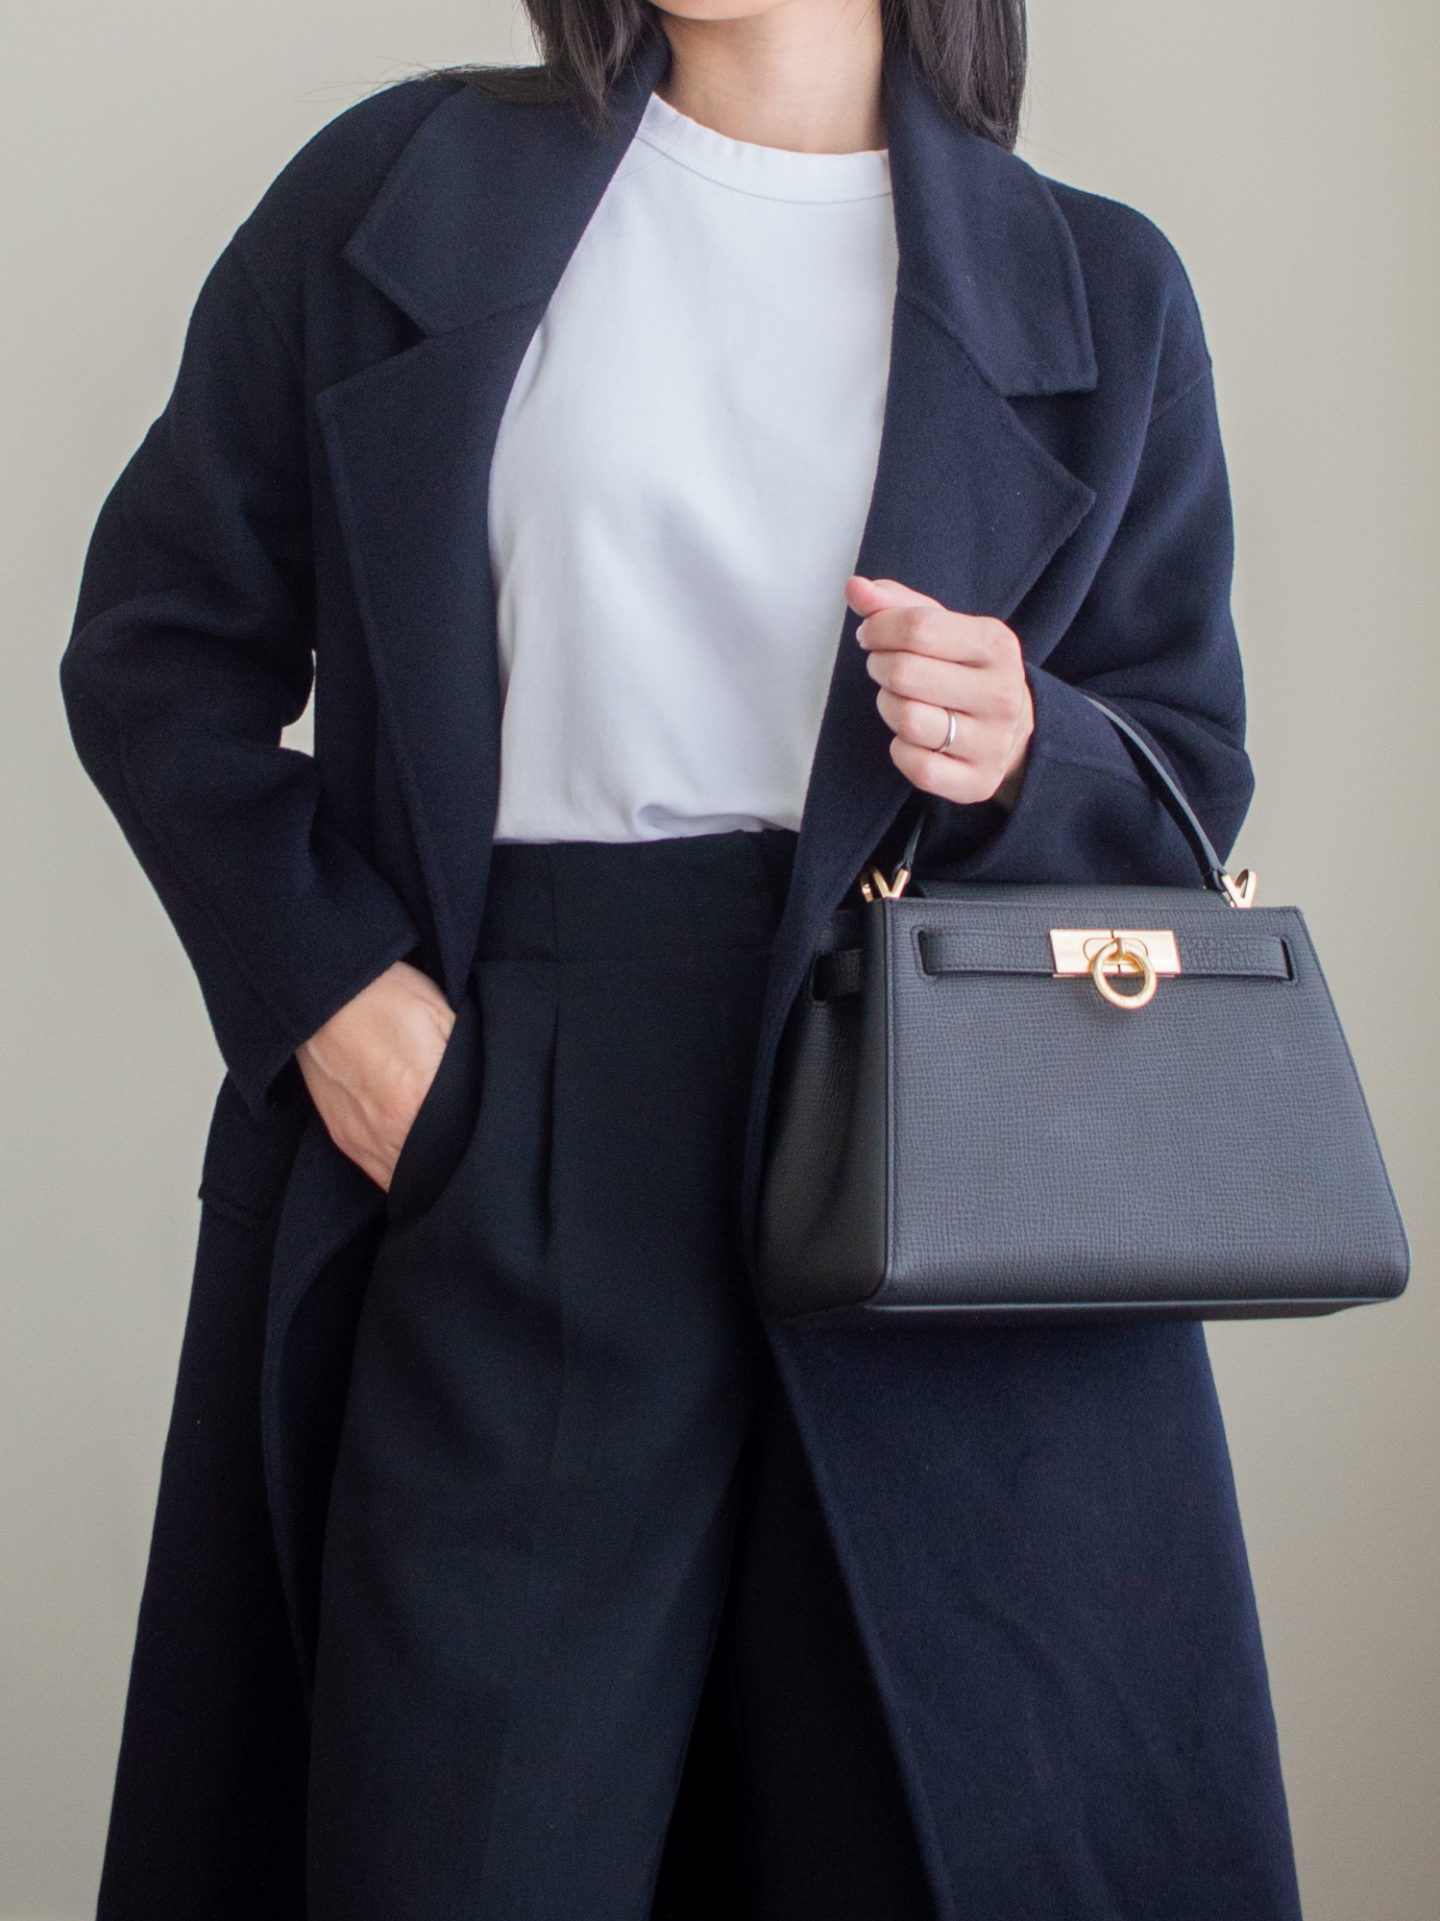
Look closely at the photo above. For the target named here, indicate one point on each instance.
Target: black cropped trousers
(584, 1651)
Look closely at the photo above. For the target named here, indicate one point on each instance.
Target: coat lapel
(967, 506)
(470, 236)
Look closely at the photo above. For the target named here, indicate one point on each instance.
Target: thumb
(868, 597)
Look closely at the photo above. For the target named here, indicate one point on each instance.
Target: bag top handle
(1238, 890)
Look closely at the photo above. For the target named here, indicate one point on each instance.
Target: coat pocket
(248, 1158)
(441, 1130)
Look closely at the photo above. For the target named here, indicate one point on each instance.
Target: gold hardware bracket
(1075, 949)
(1143, 953)
(877, 887)
(1241, 889)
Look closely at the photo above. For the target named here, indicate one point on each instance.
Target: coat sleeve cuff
(259, 1049)
(1083, 811)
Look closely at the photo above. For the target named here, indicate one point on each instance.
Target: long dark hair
(972, 53)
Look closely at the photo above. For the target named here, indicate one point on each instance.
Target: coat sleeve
(1155, 638)
(192, 649)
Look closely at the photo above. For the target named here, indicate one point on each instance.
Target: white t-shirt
(679, 486)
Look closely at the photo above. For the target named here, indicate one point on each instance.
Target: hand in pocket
(370, 1066)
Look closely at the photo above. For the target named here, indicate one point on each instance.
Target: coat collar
(488, 200)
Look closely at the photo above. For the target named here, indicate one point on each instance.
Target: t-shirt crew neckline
(770, 173)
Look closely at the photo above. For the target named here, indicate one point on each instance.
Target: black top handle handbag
(1001, 1103)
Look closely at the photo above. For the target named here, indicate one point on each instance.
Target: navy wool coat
(1038, 1528)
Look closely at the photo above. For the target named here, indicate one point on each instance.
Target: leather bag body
(964, 1128)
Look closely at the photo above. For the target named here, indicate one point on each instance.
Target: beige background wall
(1289, 147)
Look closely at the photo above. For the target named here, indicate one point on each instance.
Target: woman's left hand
(932, 663)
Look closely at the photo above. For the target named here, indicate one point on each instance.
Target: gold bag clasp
(1075, 949)
(1143, 953)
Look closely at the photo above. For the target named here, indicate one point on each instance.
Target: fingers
(869, 596)
(919, 724)
(974, 766)
(370, 1066)
(995, 694)
(931, 664)
(963, 781)
(935, 631)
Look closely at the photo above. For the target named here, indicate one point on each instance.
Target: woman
(505, 1566)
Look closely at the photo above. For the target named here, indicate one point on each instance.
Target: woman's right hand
(370, 1066)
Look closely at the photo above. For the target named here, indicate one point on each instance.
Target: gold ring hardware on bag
(1125, 958)
(1142, 952)
(1240, 889)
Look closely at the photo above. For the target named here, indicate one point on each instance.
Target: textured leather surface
(971, 1134)
(823, 1210)
(995, 948)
